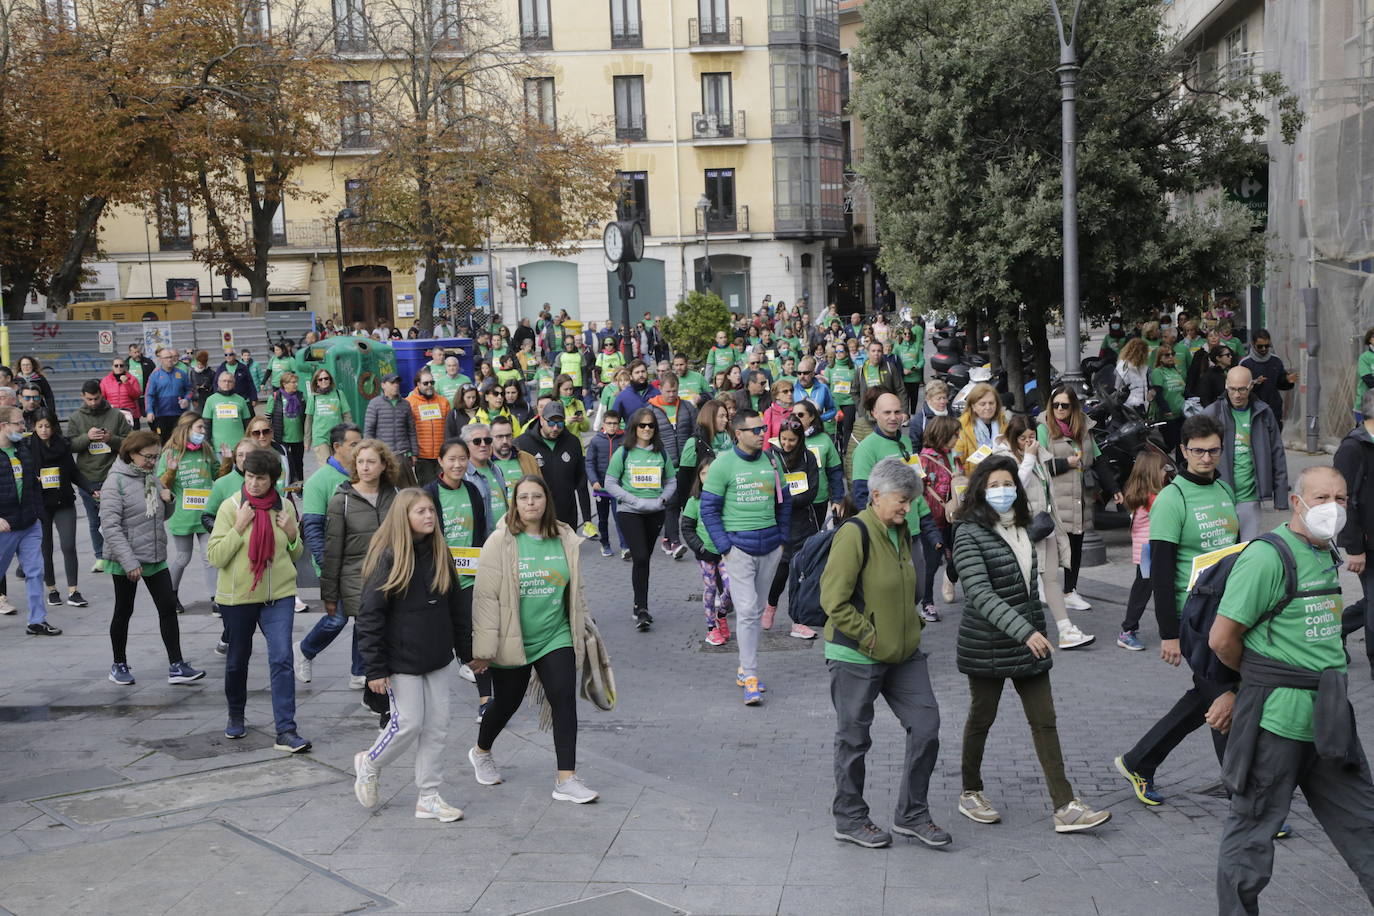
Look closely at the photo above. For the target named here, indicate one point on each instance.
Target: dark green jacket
(1000, 609)
(889, 628)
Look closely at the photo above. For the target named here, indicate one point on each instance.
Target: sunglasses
(119, 365)
(756, 430)
(480, 440)
(261, 432)
(1062, 405)
(648, 426)
(557, 422)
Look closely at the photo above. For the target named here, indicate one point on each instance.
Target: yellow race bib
(98, 448)
(51, 478)
(431, 412)
(645, 476)
(226, 412)
(796, 482)
(465, 559)
(195, 500)
(841, 387)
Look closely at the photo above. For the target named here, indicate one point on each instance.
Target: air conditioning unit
(705, 125)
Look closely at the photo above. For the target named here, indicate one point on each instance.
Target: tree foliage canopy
(693, 326)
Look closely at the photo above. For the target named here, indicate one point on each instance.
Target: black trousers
(558, 674)
(164, 426)
(844, 427)
(1135, 604)
(295, 460)
(465, 616)
(1186, 717)
(164, 599)
(640, 531)
(1075, 561)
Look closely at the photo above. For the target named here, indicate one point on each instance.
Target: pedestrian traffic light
(511, 279)
(524, 287)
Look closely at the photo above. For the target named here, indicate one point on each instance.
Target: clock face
(636, 241)
(614, 242)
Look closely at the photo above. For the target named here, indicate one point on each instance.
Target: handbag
(1041, 526)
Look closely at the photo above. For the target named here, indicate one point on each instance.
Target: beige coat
(496, 632)
(1070, 500)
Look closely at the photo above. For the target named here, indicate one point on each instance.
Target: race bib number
(1204, 560)
(816, 451)
(465, 559)
(51, 478)
(431, 412)
(226, 412)
(17, 467)
(195, 500)
(796, 482)
(645, 476)
(98, 448)
(915, 462)
(983, 451)
(842, 387)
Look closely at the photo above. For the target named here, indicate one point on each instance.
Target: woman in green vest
(188, 467)
(324, 409)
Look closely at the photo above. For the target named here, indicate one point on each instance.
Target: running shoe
(975, 807)
(930, 833)
(753, 693)
(714, 637)
(1128, 640)
(679, 551)
(42, 628)
(434, 808)
(365, 781)
(54, 598)
(606, 551)
(929, 614)
(357, 681)
(1144, 787)
(867, 835)
(221, 648)
(292, 743)
(484, 767)
(770, 611)
(5, 606)
(76, 599)
(723, 626)
(740, 679)
(1076, 816)
(573, 790)
(1074, 602)
(121, 675)
(1070, 637)
(466, 673)
(305, 667)
(235, 728)
(625, 554)
(666, 547)
(182, 673)
(802, 631)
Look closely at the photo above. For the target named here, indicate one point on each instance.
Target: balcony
(717, 128)
(536, 39)
(796, 28)
(1245, 67)
(627, 37)
(736, 220)
(630, 133)
(716, 34)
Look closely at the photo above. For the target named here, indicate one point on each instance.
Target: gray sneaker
(1076, 816)
(483, 767)
(929, 833)
(975, 807)
(867, 834)
(573, 790)
(304, 667)
(365, 781)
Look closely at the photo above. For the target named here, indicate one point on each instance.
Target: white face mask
(1323, 522)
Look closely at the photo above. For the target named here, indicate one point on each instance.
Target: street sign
(227, 339)
(106, 341)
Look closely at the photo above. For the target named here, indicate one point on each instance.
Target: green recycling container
(357, 365)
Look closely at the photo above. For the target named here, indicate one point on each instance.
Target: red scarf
(262, 539)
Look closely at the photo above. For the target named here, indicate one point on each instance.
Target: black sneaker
(76, 599)
(54, 598)
(642, 620)
(180, 609)
(43, 629)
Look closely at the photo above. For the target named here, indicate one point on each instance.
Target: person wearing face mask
(1002, 636)
(1290, 725)
(188, 467)
(1252, 458)
(1113, 341)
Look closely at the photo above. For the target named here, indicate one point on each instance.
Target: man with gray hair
(1252, 460)
(872, 648)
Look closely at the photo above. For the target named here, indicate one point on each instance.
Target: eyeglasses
(556, 422)
(119, 365)
(261, 432)
(1261, 346)
(1241, 390)
(1201, 452)
(480, 440)
(144, 456)
(1062, 405)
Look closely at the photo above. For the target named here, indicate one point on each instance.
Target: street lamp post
(1068, 87)
(345, 214)
(704, 208)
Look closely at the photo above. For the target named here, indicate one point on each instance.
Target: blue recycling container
(410, 356)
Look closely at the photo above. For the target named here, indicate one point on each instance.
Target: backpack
(804, 598)
(1200, 610)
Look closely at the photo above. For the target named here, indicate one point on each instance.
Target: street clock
(623, 241)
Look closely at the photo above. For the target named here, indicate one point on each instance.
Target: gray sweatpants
(750, 577)
(906, 687)
(1249, 514)
(1342, 800)
(419, 712)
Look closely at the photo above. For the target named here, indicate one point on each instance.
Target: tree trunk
(68, 273)
(20, 285)
(972, 340)
(1016, 371)
(994, 343)
(1039, 338)
(262, 245)
(428, 289)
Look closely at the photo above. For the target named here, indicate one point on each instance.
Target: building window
(355, 195)
(350, 26)
(790, 96)
(720, 191)
(717, 97)
(173, 222)
(1236, 60)
(539, 101)
(60, 13)
(355, 119)
(633, 201)
(447, 23)
(625, 31)
(829, 95)
(629, 107)
(536, 34)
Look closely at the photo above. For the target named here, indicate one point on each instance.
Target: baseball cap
(553, 411)
(391, 377)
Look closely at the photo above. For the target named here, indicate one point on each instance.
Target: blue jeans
(27, 543)
(325, 632)
(93, 521)
(274, 618)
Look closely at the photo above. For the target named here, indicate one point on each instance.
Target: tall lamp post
(1068, 88)
(345, 214)
(704, 208)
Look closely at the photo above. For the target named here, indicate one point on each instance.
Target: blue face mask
(1001, 498)
(196, 438)
(16, 437)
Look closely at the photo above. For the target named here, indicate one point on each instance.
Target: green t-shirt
(325, 411)
(1243, 465)
(571, 364)
(827, 456)
(1365, 367)
(279, 364)
(191, 487)
(873, 375)
(136, 370)
(1172, 381)
(1183, 354)
(840, 653)
(228, 415)
(448, 387)
(455, 508)
(909, 353)
(229, 485)
(542, 572)
(875, 448)
(720, 359)
(1113, 343)
(319, 489)
(608, 363)
(691, 514)
(641, 471)
(500, 496)
(1305, 634)
(1198, 519)
(748, 489)
(840, 377)
(691, 384)
(1236, 346)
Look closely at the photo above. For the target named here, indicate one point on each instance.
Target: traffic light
(511, 279)
(524, 287)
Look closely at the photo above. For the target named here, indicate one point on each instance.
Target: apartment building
(726, 115)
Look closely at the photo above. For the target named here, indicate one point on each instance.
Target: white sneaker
(357, 681)
(304, 666)
(301, 606)
(466, 674)
(1070, 637)
(434, 808)
(365, 781)
(1074, 602)
(5, 606)
(572, 790)
(484, 768)
(947, 590)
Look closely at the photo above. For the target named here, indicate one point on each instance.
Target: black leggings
(844, 427)
(913, 394)
(641, 533)
(1135, 604)
(295, 460)
(465, 616)
(164, 599)
(558, 674)
(933, 558)
(1075, 561)
(64, 519)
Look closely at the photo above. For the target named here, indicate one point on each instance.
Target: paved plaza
(130, 800)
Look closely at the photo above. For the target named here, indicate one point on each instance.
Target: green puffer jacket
(1000, 612)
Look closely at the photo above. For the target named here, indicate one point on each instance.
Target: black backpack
(804, 599)
(1200, 609)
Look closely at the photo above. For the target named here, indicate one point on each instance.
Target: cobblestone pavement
(117, 800)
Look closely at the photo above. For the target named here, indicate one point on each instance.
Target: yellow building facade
(727, 118)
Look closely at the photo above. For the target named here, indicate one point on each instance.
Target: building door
(367, 295)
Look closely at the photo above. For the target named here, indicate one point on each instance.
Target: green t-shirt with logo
(455, 508)
(571, 364)
(17, 467)
(448, 387)
(691, 515)
(542, 571)
(748, 490)
(1305, 634)
(691, 384)
(543, 381)
(720, 359)
(279, 364)
(228, 415)
(840, 377)
(641, 471)
(1172, 381)
(1198, 519)
(873, 375)
(325, 411)
(875, 448)
(827, 456)
(191, 488)
(1243, 464)
(909, 354)
(500, 498)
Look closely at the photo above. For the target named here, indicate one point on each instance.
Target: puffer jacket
(496, 632)
(349, 525)
(131, 537)
(1001, 609)
(394, 423)
(415, 632)
(1354, 459)
(57, 473)
(674, 435)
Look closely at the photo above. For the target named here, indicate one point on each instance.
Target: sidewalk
(119, 800)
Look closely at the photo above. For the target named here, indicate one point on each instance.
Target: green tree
(960, 102)
(693, 326)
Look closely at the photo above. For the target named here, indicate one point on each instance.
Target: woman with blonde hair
(528, 616)
(1132, 374)
(188, 467)
(410, 626)
(982, 423)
